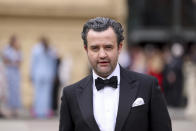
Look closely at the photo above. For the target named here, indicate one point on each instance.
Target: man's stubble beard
(106, 73)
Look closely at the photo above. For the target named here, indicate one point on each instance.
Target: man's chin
(103, 72)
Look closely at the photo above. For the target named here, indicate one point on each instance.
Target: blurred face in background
(14, 42)
(103, 51)
(45, 43)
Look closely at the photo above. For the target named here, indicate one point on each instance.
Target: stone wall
(59, 20)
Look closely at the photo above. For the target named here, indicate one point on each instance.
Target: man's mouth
(103, 63)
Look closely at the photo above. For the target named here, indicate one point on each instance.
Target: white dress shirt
(105, 103)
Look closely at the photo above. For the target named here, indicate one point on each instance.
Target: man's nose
(102, 53)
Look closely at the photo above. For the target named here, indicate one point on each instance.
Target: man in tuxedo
(111, 98)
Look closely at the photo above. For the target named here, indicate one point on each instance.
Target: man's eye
(108, 47)
(94, 48)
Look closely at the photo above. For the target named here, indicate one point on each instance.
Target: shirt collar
(116, 72)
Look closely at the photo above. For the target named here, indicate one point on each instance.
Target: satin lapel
(128, 91)
(85, 100)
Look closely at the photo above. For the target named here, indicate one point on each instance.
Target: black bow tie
(100, 83)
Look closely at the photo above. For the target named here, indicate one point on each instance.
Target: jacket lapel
(128, 92)
(85, 100)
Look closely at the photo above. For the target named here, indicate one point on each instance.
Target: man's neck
(115, 72)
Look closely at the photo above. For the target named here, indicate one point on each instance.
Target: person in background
(173, 79)
(190, 82)
(56, 87)
(138, 63)
(3, 89)
(155, 64)
(43, 64)
(12, 59)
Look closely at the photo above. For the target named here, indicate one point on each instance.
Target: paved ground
(29, 125)
(179, 122)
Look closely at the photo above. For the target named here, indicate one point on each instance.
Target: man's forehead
(101, 44)
(105, 33)
(101, 31)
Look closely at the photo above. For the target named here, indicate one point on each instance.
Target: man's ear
(85, 47)
(120, 47)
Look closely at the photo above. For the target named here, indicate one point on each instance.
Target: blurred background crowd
(41, 50)
(47, 74)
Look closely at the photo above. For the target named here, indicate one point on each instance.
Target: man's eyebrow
(108, 45)
(93, 45)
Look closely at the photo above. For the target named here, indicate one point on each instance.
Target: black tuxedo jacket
(76, 112)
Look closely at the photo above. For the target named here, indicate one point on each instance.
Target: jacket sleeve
(159, 116)
(66, 123)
